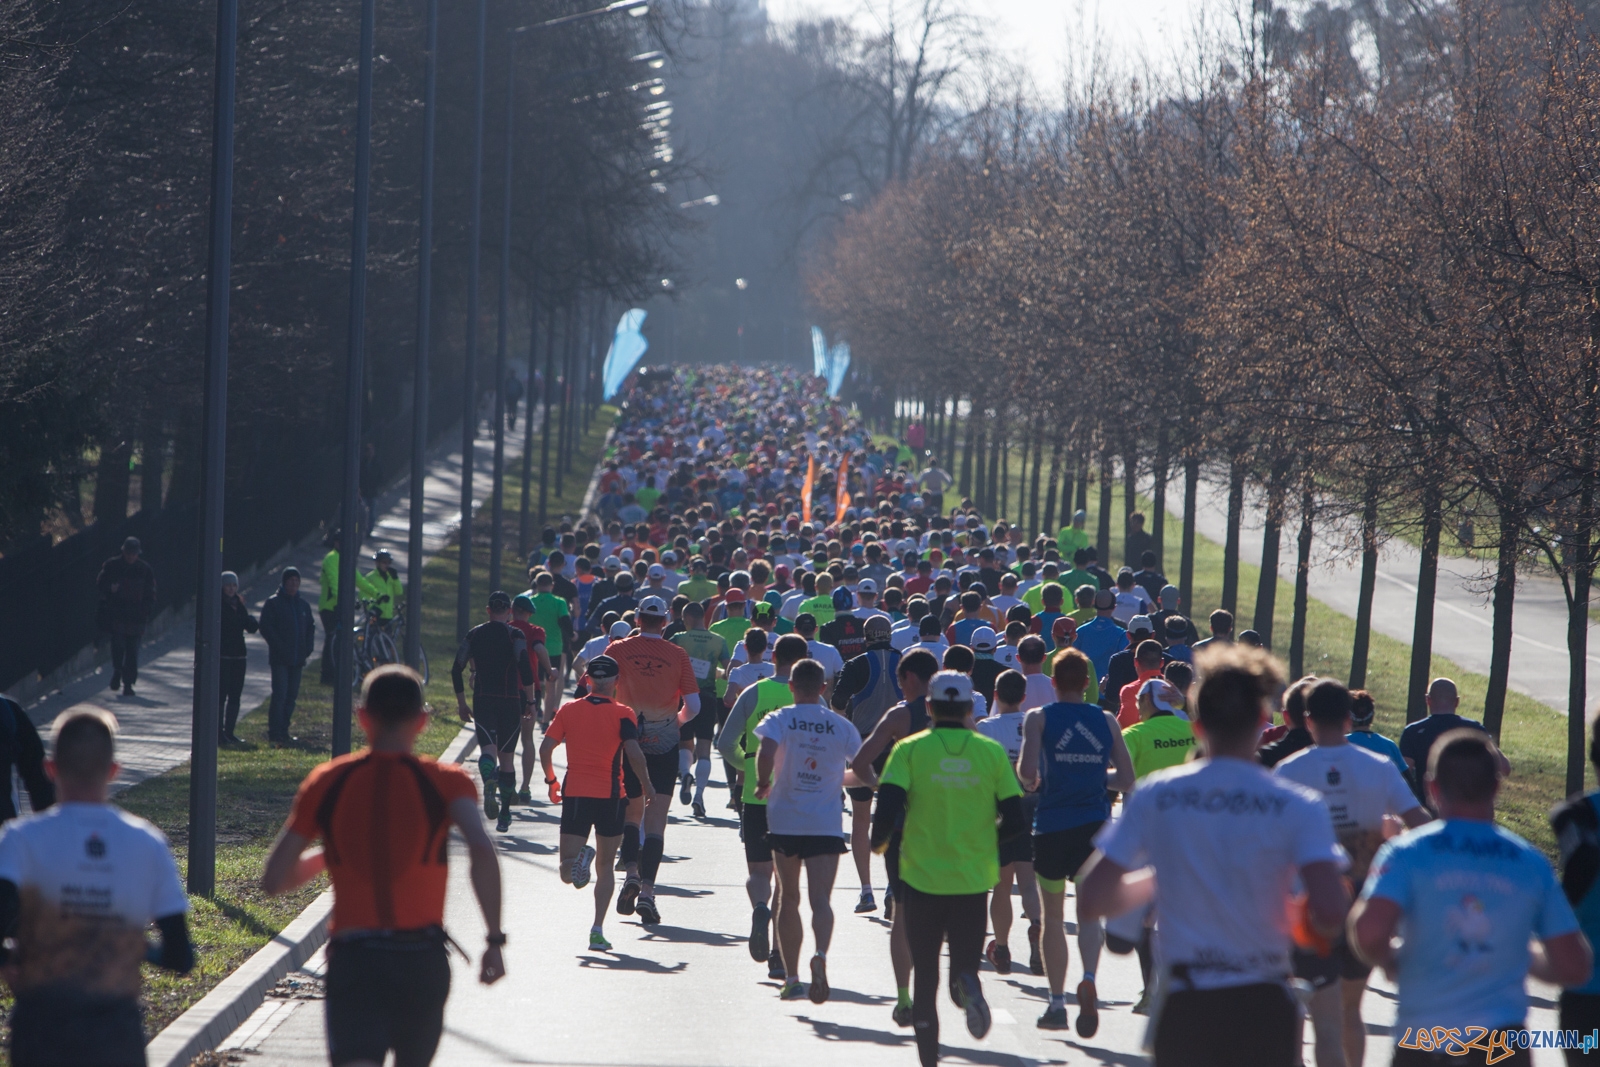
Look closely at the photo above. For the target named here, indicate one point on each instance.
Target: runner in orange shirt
(599, 733)
(655, 679)
(384, 818)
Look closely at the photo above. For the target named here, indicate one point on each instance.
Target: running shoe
(775, 965)
(866, 903)
(791, 991)
(627, 898)
(1053, 1019)
(647, 911)
(1142, 1007)
(971, 1001)
(888, 904)
(699, 809)
(598, 942)
(819, 981)
(1088, 1010)
(503, 823)
(901, 1015)
(760, 944)
(999, 956)
(580, 866)
(685, 785)
(1035, 960)
(525, 797)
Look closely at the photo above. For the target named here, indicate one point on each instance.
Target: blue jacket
(289, 629)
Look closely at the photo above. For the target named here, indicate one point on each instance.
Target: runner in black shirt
(498, 655)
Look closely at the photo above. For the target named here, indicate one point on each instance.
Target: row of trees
(1351, 261)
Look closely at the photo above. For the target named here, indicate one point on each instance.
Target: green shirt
(548, 611)
(1034, 597)
(1070, 539)
(647, 497)
(707, 652)
(821, 609)
(699, 589)
(771, 695)
(732, 631)
(954, 779)
(1162, 741)
(1071, 580)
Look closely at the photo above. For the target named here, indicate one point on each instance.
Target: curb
(223, 1010)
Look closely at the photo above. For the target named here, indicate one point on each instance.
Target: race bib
(658, 735)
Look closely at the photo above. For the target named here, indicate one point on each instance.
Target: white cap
(950, 686)
(612, 561)
(620, 629)
(866, 585)
(1141, 622)
(1163, 694)
(983, 639)
(653, 606)
(669, 557)
(627, 555)
(657, 571)
(960, 523)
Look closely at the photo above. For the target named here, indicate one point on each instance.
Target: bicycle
(379, 641)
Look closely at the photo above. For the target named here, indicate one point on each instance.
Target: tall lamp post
(741, 284)
(208, 611)
(469, 389)
(419, 373)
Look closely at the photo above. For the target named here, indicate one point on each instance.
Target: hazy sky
(1046, 34)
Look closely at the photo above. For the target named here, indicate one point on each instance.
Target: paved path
(1463, 614)
(686, 993)
(156, 722)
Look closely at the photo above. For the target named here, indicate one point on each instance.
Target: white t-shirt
(903, 636)
(828, 656)
(1134, 602)
(1002, 603)
(1007, 655)
(1227, 840)
(94, 861)
(595, 646)
(1006, 729)
(814, 747)
(748, 674)
(938, 646)
(1041, 691)
(741, 654)
(1359, 787)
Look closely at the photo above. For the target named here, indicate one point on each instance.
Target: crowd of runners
(977, 715)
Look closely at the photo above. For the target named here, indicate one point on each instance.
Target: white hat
(653, 606)
(950, 686)
(866, 585)
(983, 639)
(961, 522)
(612, 562)
(627, 555)
(620, 629)
(1163, 694)
(1141, 622)
(657, 571)
(669, 557)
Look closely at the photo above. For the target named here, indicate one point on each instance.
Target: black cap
(130, 544)
(603, 667)
(499, 600)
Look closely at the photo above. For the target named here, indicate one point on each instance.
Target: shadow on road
(618, 961)
(689, 934)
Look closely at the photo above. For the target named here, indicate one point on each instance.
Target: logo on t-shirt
(1334, 778)
(95, 847)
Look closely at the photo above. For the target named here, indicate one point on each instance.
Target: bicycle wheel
(421, 667)
(383, 651)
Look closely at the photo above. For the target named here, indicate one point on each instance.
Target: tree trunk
(1302, 586)
(952, 419)
(1230, 548)
(1047, 521)
(1578, 635)
(111, 483)
(995, 499)
(1158, 520)
(1102, 538)
(1033, 486)
(1369, 581)
(1422, 630)
(1271, 537)
(1082, 502)
(1130, 500)
(530, 403)
(1505, 591)
(1068, 471)
(549, 395)
(1191, 493)
(964, 481)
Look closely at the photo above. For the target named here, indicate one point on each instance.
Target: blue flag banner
(819, 353)
(627, 349)
(838, 366)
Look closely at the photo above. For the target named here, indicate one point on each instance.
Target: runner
(738, 744)
(805, 750)
(1360, 788)
(553, 615)
(655, 679)
(950, 786)
(498, 655)
(708, 656)
(1072, 753)
(1577, 828)
(599, 734)
(1480, 911)
(1226, 872)
(1004, 726)
(867, 688)
(80, 885)
(384, 816)
(539, 663)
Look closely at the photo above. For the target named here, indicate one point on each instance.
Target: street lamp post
(419, 374)
(741, 284)
(469, 399)
(208, 610)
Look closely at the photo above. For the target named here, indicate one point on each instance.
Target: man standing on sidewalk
(291, 635)
(383, 816)
(127, 594)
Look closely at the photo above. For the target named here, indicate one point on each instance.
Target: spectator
(291, 636)
(236, 622)
(127, 594)
(21, 748)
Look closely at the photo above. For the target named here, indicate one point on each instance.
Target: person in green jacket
(382, 585)
(328, 602)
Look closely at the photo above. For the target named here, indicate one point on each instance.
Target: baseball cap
(1170, 595)
(1141, 624)
(523, 602)
(781, 570)
(620, 629)
(735, 596)
(669, 557)
(866, 585)
(951, 686)
(604, 666)
(843, 599)
(613, 563)
(653, 606)
(1105, 600)
(627, 555)
(1163, 694)
(983, 639)
(130, 544)
(1064, 631)
(499, 600)
(657, 571)
(877, 624)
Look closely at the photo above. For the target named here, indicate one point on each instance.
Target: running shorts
(59, 1025)
(1323, 971)
(753, 821)
(807, 846)
(384, 995)
(1256, 1024)
(704, 725)
(662, 768)
(498, 721)
(1020, 848)
(859, 794)
(1058, 855)
(601, 814)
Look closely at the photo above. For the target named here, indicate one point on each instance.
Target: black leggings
(232, 691)
(931, 920)
(1254, 1024)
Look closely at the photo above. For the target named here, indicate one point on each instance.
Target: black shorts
(63, 1027)
(1323, 971)
(859, 794)
(1020, 848)
(807, 846)
(1256, 1024)
(753, 820)
(1058, 855)
(603, 815)
(498, 721)
(662, 768)
(384, 996)
(704, 725)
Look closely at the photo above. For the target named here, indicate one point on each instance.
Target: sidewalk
(157, 721)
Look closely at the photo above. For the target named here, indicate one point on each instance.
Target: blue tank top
(1073, 757)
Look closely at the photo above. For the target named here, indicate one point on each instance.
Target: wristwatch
(549, 781)
(496, 940)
